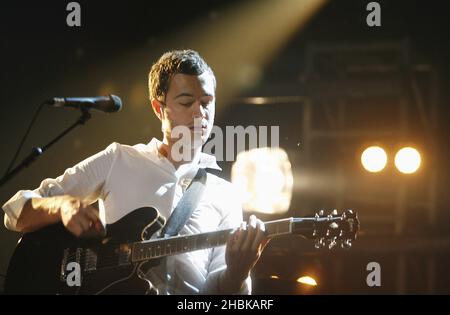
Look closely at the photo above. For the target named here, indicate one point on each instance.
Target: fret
(158, 250)
(184, 244)
(200, 241)
(173, 246)
(192, 242)
(278, 227)
(179, 244)
(165, 247)
(168, 247)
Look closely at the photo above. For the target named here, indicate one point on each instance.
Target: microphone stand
(37, 151)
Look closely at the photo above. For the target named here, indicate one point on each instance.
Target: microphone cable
(25, 137)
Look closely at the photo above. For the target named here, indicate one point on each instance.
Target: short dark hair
(173, 62)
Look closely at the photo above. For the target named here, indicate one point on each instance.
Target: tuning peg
(321, 212)
(332, 243)
(317, 245)
(348, 213)
(334, 212)
(320, 242)
(316, 216)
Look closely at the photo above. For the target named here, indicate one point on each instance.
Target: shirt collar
(203, 161)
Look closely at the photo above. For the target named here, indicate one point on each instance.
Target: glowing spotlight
(274, 277)
(407, 160)
(307, 280)
(374, 159)
(264, 178)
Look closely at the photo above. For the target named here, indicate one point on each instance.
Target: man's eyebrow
(183, 94)
(190, 95)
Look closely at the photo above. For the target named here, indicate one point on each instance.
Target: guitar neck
(158, 248)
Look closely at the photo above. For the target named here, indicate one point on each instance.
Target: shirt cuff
(13, 207)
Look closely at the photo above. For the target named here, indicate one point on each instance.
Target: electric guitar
(53, 261)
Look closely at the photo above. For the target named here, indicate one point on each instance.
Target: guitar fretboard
(158, 248)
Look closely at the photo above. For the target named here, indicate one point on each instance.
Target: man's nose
(199, 110)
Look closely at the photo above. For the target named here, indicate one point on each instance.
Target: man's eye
(186, 103)
(206, 103)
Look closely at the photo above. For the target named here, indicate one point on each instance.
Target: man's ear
(157, 108)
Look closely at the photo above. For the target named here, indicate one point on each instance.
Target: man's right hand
(79, 219)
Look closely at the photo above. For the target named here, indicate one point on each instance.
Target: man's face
(189, 97)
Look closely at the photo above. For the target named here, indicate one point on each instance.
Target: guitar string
(210, 243)
(112, 259)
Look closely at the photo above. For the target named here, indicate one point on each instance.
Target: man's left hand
(244, 247)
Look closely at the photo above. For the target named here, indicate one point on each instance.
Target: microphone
(107, 104)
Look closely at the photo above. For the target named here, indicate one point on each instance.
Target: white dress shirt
(123, 178)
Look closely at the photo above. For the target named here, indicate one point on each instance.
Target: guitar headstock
(329, 229)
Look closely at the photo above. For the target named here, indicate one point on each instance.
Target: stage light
(274, 277)
(374, 159)
(407, 160)
(264, 178)
(307, 280)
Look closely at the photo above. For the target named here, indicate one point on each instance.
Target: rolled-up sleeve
(84, 181)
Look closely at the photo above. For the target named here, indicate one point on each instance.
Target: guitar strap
(186, 205)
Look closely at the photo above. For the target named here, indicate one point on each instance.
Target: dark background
(113, 50)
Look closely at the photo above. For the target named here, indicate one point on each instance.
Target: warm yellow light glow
(374, 159)
(245, 38)
(264, 178)
(407, 160)
(307, 280)
(274, 277)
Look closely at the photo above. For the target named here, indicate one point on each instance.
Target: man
(123, 178)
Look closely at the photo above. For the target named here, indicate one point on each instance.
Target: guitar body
(53, 261)
(37, 264)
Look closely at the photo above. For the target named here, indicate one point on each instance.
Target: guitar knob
(321, 212)
(334, 212)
